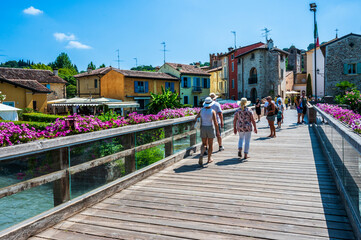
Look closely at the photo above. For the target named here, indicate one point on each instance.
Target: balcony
(197, 89)
(252, 80)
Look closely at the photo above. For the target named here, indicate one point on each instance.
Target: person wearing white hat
(217, 108)
(209, 126)
(242, 123)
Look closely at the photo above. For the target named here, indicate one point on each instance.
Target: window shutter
(172, 86)
(209, 83)
(145, 87)
(182, 82)
(135, 86)
(194, 81)
(359, 68)
(345, 66)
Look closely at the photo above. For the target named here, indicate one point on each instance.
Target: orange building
(125, 85)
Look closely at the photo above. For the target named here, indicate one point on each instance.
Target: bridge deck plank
(284, 191)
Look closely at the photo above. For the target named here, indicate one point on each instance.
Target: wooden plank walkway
(284, 191)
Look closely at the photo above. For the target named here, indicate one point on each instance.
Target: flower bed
(11, 134)
(344, 115)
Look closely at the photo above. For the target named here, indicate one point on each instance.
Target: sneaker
(221, 148)
(240, 154)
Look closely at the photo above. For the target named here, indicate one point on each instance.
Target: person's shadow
(231, 161)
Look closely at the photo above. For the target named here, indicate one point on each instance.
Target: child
(280, 113)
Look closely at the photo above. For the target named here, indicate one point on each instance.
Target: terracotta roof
(215, 69)
(32, 85)
(99, 71)
(42, 76)
(145, 74)
(188, 69)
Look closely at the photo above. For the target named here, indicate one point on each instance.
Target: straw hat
(213, 96)
(208, 102)
(245, 100)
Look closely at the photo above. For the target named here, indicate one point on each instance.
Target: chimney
(198, 64)
(89, 70)
(157, 68)
(230, 49)
(55, 71)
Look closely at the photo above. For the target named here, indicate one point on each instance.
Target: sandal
(200, 161)
(240, 154)
(210, 160)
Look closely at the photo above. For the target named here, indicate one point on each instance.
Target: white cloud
(32, 11)
(63, 37)
(78, 45)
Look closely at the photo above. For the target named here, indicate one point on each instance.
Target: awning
(292, 92)
(76, 104)
(138, 98)
(123, 105)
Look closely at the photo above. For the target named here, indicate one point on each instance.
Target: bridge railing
(342, 147)
(38, 176)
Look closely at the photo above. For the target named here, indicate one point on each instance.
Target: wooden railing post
(128, 141)
(311, 114)
(61, 187)
(168, 132)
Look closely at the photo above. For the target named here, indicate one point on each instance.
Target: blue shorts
(299, 110)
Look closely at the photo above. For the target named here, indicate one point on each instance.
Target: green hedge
(36, 125)
(40, 117)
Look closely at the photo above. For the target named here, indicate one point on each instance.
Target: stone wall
(343, 51)
(58, 91)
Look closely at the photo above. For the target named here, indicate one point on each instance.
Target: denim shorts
(271, 118)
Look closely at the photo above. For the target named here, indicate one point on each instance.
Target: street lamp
(313, 7)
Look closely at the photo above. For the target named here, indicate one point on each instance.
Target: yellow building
(218, 84)
(30, 88)
(125, 85)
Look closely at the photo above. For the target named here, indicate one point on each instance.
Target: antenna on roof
(136, 62)
(265, 33)
(164, 50)
(118, 59)
(336, 30)
(235, 39)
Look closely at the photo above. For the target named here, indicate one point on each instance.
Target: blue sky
(92, 30)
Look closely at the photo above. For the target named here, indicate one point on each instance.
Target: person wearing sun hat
(209, 126)
(217, 108)
(242, 123)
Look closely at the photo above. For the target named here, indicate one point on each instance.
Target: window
(35, 106)
(225, 60)
(252, 56)
(206, 83)
(95, 83)
(281, 73)
(350, 68)
(185, 100)
(232, 56)
(196, 82)
(239, 60)
(220, 86)
(170, 86)
(11, 104)
(232, 66)
(140, 86)
(252, 76)
(232, 83)
(281, 57)
(142, 103)
(185, 82)
(195, 101)
(47, 86)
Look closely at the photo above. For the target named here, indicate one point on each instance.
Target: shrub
(352, 98)
(36, 125)
(40, 117)
(166, 100)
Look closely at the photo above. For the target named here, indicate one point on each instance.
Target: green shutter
(146, 87)
(345, 67)
(359, 68)
(135, 86)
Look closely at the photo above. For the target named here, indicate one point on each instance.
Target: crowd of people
(212, 122)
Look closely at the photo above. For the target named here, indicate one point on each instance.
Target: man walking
(217, 108)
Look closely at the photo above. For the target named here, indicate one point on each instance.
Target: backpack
(276, 109)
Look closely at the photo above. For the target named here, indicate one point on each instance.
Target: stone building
(294, 60)
(342, 62)
(262, 72)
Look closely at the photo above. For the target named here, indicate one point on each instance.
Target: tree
(70, 91)
(311, 46)
(2, 97)
(102, 66)
(63, 61)
(167, 99)
(91, 66)
(309, 86)
(345, 86)
(200, 64)
(41, 66)
(146, 68)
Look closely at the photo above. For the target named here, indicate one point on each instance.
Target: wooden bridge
(283, 191)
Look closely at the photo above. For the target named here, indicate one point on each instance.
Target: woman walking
(271, 116)
(209, 126)
(242, 123)
(258, 109)
(299, 109)
(280, 113)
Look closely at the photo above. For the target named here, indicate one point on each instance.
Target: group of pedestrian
(211, 118)
(301, 106)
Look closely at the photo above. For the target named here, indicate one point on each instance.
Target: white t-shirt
(217, 108)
